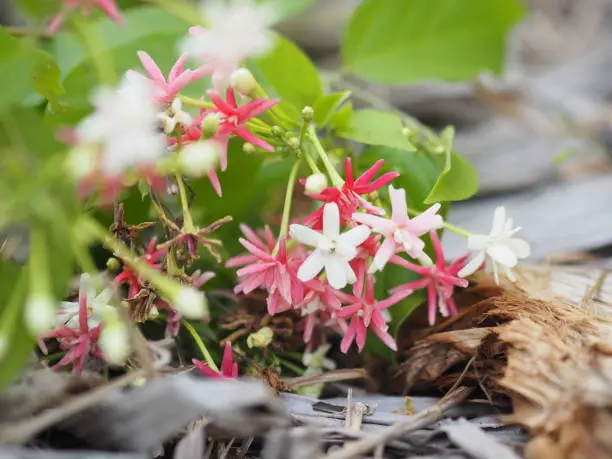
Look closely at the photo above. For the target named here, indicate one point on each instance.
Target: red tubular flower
(440, 280)
(80, 342)
(229, 368)
(349, 197)
(233, 120)
(129, 276)
(365, 312)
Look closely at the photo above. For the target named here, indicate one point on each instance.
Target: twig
(347, 374)
(416, 422)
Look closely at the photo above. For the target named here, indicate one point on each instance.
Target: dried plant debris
(552, 358)
(32, 453)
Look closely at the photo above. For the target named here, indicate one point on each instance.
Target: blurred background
(539, 134)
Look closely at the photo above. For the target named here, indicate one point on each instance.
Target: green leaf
(37, 9)
(374, 127)
(341, 119)
(286, 72)
(46, 78)
(458, 179)
(326, 106)
(406, 41)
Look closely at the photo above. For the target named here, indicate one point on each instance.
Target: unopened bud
(307, 114)
(115, 338)
(277, 131)
(261, 338)
(242, 81)
(406, 132)
(249, 148)
(81, 161)
(198, 158)
(210, 125)
(294, 143)
(316, 183)
(39, 313)
(113, 265)
(191, 303)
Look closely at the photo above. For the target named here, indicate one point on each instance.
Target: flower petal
(312, 266)
(399, 209)
(331, 221)
(472, 265)
(305, 235)
(355, 236)
(520, 247)
(501, 253)
(336, 272)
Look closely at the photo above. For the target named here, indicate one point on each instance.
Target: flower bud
(115, 338)
(191, 303)
(277, 131)
(316, 183)
(242, 81)
(406, 132)
(294, 143)
(39, 313)
(249, 148)
(307, 114)
(81, 161)
(113, 265)
(198, 158)
(261, 338)
(210, 125)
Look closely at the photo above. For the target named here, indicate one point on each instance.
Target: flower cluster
(346, 242)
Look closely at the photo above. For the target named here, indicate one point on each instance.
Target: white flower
(317, 359)
(242, 81)
(236, 30)
(115, 338)
(124, 125)
(316, 183)
(191, 303)
(333, 250)
(198, 158)
(499, 249)
(98, 306)
(174, 116)
(40, 313)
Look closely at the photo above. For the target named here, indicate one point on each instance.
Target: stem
(188, 226)
(311, 163)
(333, 174)
(287, 205)
(207, 357)
(195, 102)
(448, 226)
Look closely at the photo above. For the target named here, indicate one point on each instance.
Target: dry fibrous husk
(535, 343)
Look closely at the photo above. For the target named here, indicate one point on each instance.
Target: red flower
(152, 257)
(229, 368)
(349, 197)
(440, 280)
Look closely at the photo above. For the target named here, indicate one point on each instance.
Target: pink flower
(233, 120)
(365, 312)
(275, 273)
(152, 257)
(440, 280)
(400, 231)
(166, 91)
(320, 300)
(80, 342)
(229, 368)
(109, 7)
(348, 198)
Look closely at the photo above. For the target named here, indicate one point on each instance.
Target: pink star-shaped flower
(349, 196)
(108, 7)
(233, 119)
(229, 368)
(152, 256)
(320, 300)
(440, 280)
(365, 312)
(80, 342)
(400, 231)
(166, 90)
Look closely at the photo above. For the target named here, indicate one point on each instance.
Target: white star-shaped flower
(333, 250)
(97, 305)
(174, 116)
(498, 249)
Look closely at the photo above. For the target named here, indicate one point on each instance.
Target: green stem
(311, 163)
(190, 101)
(203, 349)
(329, 167)
(287, 206)
(448, 226)
(188, 226)
(10, 314)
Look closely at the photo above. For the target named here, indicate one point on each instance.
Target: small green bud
(261, 338)
(249, 148)
(210, 125)
(294, 143)
(113, 265)
(407, 132)
(277, 131)
(307, 114)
